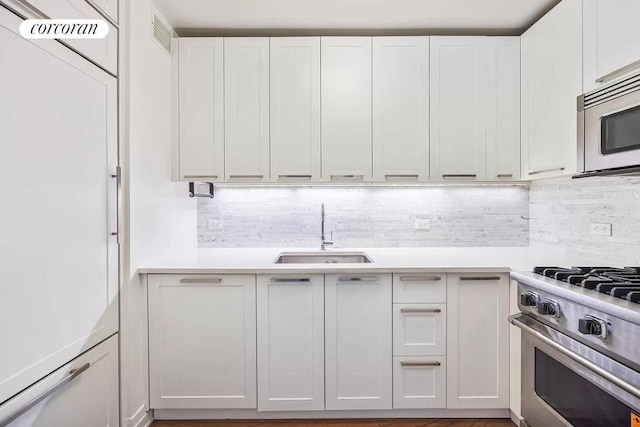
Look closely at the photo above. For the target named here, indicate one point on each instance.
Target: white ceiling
(353, 16)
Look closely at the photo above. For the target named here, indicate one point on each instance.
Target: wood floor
(340, 423)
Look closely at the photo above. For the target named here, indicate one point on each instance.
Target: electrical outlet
(601, 229)
(215, 224)
(423, 224)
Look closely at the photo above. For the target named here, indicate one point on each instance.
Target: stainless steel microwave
(609, 129)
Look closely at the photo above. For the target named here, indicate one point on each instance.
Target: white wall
(160, 216)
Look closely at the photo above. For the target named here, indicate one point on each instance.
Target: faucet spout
(324, 241)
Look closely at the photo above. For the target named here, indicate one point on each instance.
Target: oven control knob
(529, 299)
(590, 325)
(548, 308)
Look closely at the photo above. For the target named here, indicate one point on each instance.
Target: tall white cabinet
(202, 341)
(346, 108)
(458, 108)
(295, 108)
(246, 108)
(358, 341)
(551, 83)
(291, 343)
(400, 108)
(611, 40)
(201, 109)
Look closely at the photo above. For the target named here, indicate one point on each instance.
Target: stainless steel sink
(323, 258)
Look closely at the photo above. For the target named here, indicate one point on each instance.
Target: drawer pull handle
(420, 278)
(546, 170)
(469, 175)
(246, 176)
(399, 177)
(290, 280)
(359, 279)
(201, 280)
(302, 177)
(420, 310)
(473, 278)
(347, 177)
(410, 364)
(72, 374)
(505, 175)
(201, 176)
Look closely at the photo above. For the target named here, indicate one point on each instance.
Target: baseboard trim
(140, 418)
(516, 419)
(248, 414)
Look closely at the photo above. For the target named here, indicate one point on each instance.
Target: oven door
(612, 133)
(565, 383)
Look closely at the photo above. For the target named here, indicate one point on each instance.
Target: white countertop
(385, 260)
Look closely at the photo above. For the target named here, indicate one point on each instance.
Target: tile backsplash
(562, 210)
(366, 216)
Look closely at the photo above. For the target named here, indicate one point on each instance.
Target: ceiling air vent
(161, 33)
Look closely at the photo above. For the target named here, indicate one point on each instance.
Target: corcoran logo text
(64, 29)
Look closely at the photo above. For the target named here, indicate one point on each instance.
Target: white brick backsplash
(366, 217)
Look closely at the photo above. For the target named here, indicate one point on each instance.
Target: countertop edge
(305, 268)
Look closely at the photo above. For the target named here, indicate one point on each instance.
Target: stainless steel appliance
(580, 346)
(609, 129)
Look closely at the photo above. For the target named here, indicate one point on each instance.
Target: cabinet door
(611, 40)
(246, 107)
(419, 382)
(59, 259)
(202, 341)
(90, 398)
(108, 7)
(358, 341)
(290, 343)
(503, 108)
(201, 146)
(458, 107)
(551, 82)
(346, 108)
(419, 329)
(400, 108)
(477, 341)
(295, 108)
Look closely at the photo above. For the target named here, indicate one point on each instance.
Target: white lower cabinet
(477, 341)
(291, 343)
(87, 395)
(202, 341)
(358, 341)
(419, 382)
(419, 329)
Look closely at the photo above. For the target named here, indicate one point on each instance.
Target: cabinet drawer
(82, 393)
(419, 288)
(419, 329)
(419, 382)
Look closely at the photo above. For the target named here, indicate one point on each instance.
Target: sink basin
(323, 258)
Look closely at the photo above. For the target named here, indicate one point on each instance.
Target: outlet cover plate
(423, 224)
(600, 229)
(215, 224)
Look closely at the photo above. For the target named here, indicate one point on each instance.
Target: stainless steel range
(580, 346)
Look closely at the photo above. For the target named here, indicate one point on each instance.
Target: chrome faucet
(325, 243)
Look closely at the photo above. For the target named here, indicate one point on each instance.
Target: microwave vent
(612, 91)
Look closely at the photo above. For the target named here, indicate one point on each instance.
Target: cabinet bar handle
(347, 177)
(201, 176)
(505, 175)
(473, 278)
(470, 175)
(294, 177)
(546, 170)
(391, 177)
(290, 280)
(201, 280)
(420, 310)
(403, 363)
(72, 375)
(359, 279)
(618, 72)
(420, 278)
(246, 176)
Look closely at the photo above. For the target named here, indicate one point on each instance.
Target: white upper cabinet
(201, 93)
(503, 108)
(291, 343)
(400, 108)
(611, 40)
(458, 108)
(346, 108)
(246, 108)
(108, 7)
(358, 341)
(551, 83)
(295, 108)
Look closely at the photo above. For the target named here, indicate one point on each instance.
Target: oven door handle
(516, 320)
